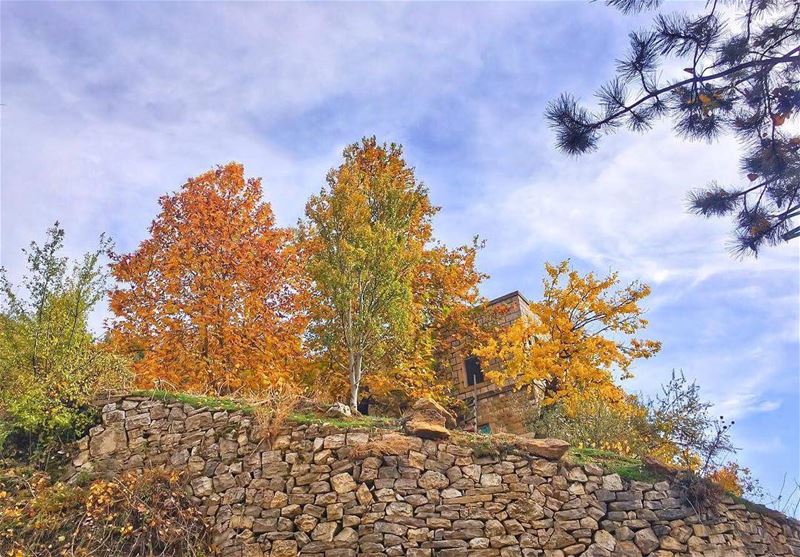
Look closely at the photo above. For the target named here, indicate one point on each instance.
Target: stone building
(493, 407)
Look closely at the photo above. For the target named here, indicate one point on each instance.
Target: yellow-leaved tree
(583, 332)
(383, 287)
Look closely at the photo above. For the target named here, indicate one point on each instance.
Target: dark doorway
(472, 367)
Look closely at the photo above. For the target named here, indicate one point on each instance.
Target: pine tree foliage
(742, 75)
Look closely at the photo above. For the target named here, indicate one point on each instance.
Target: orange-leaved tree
(583, 332)
(210, 301)
(382, 284)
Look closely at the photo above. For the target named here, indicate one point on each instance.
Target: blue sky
(108, 106)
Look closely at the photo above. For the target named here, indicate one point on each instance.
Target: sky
(106, 107)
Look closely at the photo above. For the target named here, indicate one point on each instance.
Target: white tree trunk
(355, 380)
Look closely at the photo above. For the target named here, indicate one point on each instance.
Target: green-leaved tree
(50, 364)
(365, 238)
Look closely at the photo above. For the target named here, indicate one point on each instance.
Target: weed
(628, 467)
(272, 407)
(117, 517)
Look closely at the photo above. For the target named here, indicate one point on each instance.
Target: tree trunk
(355, 380)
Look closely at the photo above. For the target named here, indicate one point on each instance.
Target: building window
(472, 367)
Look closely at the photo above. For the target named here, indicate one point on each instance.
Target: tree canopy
(50, 363)
(382, 285)
(583, 331)
(210, 300)
(741, 74)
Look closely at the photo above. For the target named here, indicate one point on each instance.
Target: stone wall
(313, 492)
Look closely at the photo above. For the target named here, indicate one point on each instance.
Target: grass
(196, 401)
(630, 468)
(491, 445)
(300, 418)
(482, 445)
(367, 422)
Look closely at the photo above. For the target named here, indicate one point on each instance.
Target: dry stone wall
(307, 494)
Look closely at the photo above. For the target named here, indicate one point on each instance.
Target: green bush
(597, 424)
(50, 365)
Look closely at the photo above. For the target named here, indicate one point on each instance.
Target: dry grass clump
(391, 444)
(130, 515)
(272, 407)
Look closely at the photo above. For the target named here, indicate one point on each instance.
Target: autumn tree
(208, 301)
(446, 306)
(583, 332)
(382, 285)
(741, 70)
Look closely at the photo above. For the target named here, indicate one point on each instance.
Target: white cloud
(625, 208)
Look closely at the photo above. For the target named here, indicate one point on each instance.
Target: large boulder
(339, 410)
(429, 420)
(428, 410)
(552, 449)
(426, 430)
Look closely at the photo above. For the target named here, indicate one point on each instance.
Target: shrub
(736, 480)
(596, 423)
(131, 515)
(50, 365)
(683, 431)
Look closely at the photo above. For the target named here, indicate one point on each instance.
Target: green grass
(368, 422)
(630, 468)
(301, 418)
(196, 401)
(483, 444)
(491, 444)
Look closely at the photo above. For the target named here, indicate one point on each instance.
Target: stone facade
(499, 407)
(310, 494)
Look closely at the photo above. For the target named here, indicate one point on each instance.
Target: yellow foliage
(581, 335)
(384, 288)
(730, 478)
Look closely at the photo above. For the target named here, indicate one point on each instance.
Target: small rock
(324, 531)
(605, 540)
(646, 540)
(612, 482)
(202, 486)
(433, 480)
(343, 483)
(363, 495)
(107, 441)
(347, 535)
(284, 548)
(339, 410)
